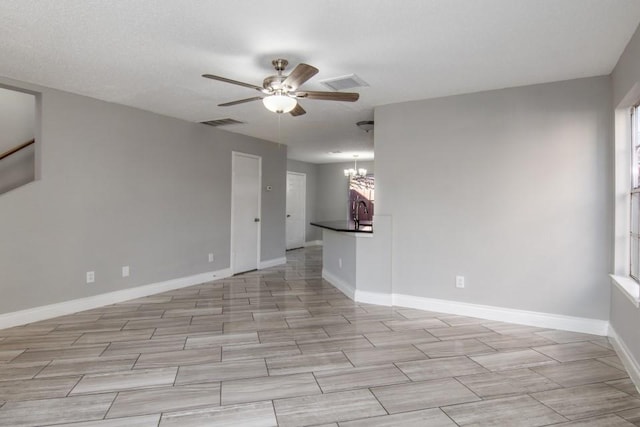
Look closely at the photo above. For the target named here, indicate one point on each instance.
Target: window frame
(634, 195)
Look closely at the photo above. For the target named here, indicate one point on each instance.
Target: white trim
(377, 298)
(628, 287)
(340, 284)
(35, 314)
(272, 262)
(357, 294)
(622, 186)
(523, 317)
(234, 154)
(304, 205)
(313, 243)
(629, 362)
(259, 239)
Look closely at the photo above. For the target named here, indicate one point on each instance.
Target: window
(626, 261)
(634, 250)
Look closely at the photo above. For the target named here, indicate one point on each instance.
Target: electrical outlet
(91, 276)
(459, 281)
(210, 257)
(340, 262)
(125, 271)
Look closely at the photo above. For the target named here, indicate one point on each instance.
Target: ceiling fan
(281, 92)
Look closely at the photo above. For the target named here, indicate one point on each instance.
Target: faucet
(356, 217)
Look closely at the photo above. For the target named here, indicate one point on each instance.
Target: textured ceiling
(150, 54)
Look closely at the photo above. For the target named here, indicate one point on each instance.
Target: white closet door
(296, 200)
(245, 209)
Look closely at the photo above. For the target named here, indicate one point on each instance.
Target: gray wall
(333, 190)
(340, 246)
(121, 186)
(509, 188)
(625, 317)
(311, 171)
(626, 74)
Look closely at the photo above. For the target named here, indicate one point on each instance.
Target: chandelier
(355, 172)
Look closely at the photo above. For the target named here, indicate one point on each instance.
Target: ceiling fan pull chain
(279, 129)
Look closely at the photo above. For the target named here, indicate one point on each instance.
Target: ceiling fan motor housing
(273, 83)
(280, 64)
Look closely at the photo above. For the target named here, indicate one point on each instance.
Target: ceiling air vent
(222, 122)
(345, 82)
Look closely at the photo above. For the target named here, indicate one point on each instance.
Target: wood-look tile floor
(281, 347)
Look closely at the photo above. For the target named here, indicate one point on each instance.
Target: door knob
(256, 219)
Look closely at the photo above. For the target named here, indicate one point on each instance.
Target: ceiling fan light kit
(281, 91)
(279, 103)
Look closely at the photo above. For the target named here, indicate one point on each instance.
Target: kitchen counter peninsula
(345, 226)
(356, 260)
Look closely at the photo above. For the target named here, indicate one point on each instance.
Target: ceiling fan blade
(233, 82)
(299, 75)
(240, 101)
(329, 96)
(297, 111)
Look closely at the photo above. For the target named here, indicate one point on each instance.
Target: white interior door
(245, 212)
(296, 199)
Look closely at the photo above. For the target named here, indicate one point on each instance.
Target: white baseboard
(22, 317)
(625, 355)
(313, 243)
(357, 295)
(523, 317)
(272, 262)
(377, 298)
(343, 286)
(501, 314)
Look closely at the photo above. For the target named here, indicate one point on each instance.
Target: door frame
(304, 209)
(234, 155)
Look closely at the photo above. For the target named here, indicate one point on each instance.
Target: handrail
(16, 149)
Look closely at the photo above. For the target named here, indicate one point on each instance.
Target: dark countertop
(348, 226)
